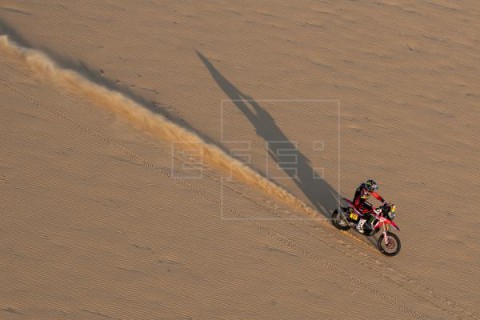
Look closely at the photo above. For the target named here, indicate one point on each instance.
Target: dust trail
(144, 119)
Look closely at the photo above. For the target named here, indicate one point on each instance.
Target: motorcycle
(380, 219)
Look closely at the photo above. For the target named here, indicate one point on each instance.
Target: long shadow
(323, 197)
(97, 76)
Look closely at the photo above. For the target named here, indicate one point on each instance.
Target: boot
(360, 225)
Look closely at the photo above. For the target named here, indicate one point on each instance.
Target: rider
(362, 193)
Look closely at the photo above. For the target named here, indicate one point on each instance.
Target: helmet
(371, 185)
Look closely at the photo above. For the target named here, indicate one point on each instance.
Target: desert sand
(136, 181)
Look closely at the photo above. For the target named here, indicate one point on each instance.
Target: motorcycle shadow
(373, 240)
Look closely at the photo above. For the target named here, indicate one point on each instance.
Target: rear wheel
(392, 248)
(338, 221)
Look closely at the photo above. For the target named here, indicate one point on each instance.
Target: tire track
(400, 278)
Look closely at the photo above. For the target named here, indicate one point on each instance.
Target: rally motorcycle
(380, 219)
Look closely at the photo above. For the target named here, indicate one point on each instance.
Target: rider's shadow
(322, 196)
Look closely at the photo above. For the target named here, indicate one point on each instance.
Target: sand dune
(97, 225)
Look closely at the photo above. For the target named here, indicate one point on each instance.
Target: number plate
(353, 216)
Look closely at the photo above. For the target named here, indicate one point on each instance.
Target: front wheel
(338, 221)
(392, 248)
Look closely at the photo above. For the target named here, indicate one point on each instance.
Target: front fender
(395, 225)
